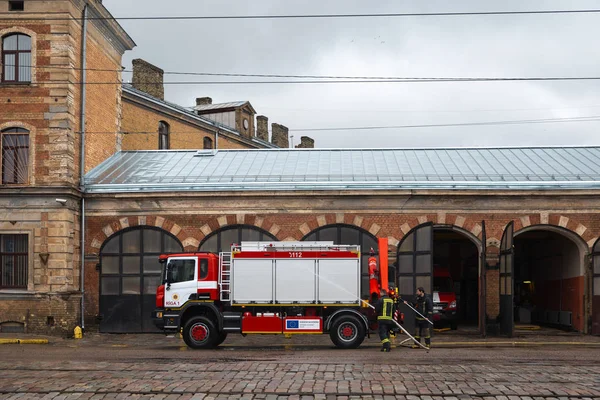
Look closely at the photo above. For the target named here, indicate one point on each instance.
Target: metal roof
(348, 169)
(218, 106)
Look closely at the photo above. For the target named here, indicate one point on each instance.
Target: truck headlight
(452, 304)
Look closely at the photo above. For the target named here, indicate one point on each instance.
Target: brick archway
(156, 221)
(238, 219)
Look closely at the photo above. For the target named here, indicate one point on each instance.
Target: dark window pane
(424, 238)
(405, 264)
(228, 237)
(131, 264)
(182, 270)
(150, 284)
(597, 265)
(152, 241)
(250, 235)
(151, 265)
(425, 283)
(112, 246)
(349, 236)
(405, 285)
(311, 237)
(210, 245)
(208, 143)
(368, 243)
(423, 263)
(407, 243)
(131, 285)
(597, 247)
(203, 268)
(109, 286)
(172, 245)
(329, 234)
(110, 264)
(131, 241)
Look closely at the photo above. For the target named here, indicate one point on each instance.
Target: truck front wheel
(200, 333)
(347, 332)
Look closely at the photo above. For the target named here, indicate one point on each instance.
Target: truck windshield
(180, 271)
(442, 284)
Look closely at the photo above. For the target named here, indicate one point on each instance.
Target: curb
(23, 341)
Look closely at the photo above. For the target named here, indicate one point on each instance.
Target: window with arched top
(130, 272)
(16, 58)
(222, 239)
(348, 234)
(15, 156)
(207, 143)
(163, 135)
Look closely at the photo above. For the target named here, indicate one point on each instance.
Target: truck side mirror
(169, 275)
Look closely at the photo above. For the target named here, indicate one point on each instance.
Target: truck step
(232, 329)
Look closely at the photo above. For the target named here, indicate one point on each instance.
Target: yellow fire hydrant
(78, 333)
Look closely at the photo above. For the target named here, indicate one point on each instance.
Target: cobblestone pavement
(155, 367)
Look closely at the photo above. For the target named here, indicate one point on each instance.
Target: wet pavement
(533, 365)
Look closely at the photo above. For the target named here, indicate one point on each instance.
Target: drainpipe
(217, 139)
(82, 158)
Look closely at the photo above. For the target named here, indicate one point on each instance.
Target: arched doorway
(446, 261)
(549, 277)
(222, 239)
(349, 234)
(129, 275)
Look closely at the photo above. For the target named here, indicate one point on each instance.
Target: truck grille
(439, 306)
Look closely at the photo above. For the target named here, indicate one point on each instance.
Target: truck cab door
(181, 280)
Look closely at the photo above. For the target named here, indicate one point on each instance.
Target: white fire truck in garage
(264, 288)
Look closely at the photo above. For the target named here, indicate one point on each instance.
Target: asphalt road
(156, 367)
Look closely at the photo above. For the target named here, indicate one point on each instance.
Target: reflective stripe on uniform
(386, 309)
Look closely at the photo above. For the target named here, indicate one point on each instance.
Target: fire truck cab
(263, 288)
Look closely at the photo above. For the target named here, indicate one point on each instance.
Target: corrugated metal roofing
(348, 169)
(219, 106)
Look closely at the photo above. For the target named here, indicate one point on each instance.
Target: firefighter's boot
(388, 347)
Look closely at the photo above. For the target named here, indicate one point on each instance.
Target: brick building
(532, 212)
(151, 123)
(40, 123)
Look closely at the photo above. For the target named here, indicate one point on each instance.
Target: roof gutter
(392, 185)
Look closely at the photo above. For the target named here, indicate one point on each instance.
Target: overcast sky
(465, 46)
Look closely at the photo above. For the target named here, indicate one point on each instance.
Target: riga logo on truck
(264, 288)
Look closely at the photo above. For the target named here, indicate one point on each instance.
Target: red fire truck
(264, 288)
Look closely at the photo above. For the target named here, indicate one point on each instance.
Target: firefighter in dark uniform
(385, 311)
(424, 305)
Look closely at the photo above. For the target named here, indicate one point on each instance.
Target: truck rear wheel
(200, 333)
(347, 332)
(221, 339)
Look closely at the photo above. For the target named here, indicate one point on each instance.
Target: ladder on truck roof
(225, 276)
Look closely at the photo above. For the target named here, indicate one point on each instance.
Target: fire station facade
(516, 229)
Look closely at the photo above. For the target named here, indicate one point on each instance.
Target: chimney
(279, 136)
(202, 101)
(262, 128)
(306, 143)
(148, 78)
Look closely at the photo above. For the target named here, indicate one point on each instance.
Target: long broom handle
(415, 310)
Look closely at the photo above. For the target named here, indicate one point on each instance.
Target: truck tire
(347, 332)
(200, 333)
(221, 339)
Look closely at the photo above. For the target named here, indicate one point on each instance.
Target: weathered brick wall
(183, 135)
(103, 102)
(291, 219)
(43, 313)
(49, 108)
